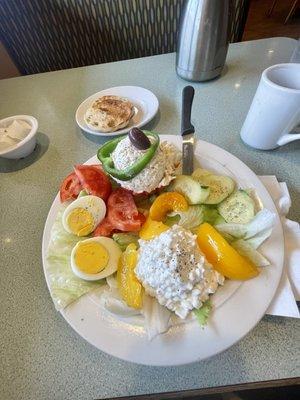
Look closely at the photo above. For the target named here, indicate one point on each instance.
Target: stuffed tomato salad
(156, 243)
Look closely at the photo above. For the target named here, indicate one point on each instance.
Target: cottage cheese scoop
(172, 268)
(159, 172)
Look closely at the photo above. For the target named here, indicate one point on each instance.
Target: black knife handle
(187, 101)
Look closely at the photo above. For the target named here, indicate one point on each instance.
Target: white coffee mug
(275, 108)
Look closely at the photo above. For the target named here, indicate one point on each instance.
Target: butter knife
(187, 131)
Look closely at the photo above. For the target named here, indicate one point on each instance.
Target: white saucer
(144, 101)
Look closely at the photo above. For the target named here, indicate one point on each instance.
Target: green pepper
(104, 155)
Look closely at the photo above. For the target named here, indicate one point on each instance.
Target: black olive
(139, 139)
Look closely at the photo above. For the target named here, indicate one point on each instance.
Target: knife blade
(187, 130)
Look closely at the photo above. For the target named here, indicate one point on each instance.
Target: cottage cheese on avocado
(172, 268)
(159, 172)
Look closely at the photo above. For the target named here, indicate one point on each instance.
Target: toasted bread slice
(109, 114)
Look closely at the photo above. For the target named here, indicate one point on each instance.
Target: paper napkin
(284, 302)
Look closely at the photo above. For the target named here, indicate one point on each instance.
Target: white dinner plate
(145, 105)
(238, 306)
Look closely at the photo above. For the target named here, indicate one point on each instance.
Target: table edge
(195, 393)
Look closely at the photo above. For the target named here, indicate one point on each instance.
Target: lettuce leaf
(157, 317)
(212, 215)
(111, 300)
(245, 249)
(258, 239)
(191, 218)
(124, 239)
(83, 193)
(154, 317)
(263, 221)
(64, 286)
(246, 238)
(228, 237)
(172, 220)
(203, 313)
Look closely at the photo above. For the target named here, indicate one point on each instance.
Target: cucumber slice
(190, 189)
(220, 187)
(199, 173)
(238, 208)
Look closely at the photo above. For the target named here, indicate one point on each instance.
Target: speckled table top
(41, 356)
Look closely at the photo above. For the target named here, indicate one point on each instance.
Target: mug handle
(289, 137)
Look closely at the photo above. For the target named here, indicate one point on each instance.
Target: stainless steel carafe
(203, 39)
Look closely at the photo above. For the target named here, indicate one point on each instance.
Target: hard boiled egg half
(95, 258)
(83, 215)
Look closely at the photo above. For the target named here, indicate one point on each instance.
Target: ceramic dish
(238, 307)
(25, 146)
(145, 105)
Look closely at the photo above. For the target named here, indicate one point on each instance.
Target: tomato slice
(99, 166)
(122, 214)
(122, 199)
(105, 228)
(124, 222)
(94, 180)
(141, 218)
(122, 211)
(70, 188)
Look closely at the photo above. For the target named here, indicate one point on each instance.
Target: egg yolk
(80, 221)
(91, 257)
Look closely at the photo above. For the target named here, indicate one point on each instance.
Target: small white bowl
(27, 145)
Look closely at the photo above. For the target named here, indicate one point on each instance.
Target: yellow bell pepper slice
(165, 203)
(130, 288)
(151, 228)
(223, 257)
